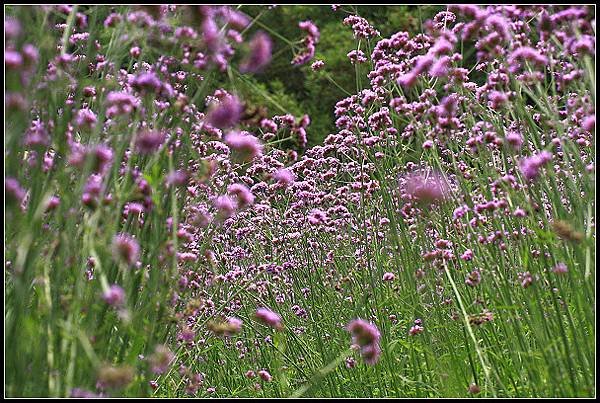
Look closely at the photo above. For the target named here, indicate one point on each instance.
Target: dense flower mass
(171, 232)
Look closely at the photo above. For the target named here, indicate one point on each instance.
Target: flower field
(172, 230)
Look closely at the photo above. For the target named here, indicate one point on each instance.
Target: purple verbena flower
(125, 248)
(226, 113)
(269, 318)
(114, 296)
(260, 54)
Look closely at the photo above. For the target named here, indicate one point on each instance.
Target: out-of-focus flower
(260, 54)
(366, 336)
(530, 167)
(114, 296)
(226, 113)
(114, 377)
(426, 188)
(284, 177)
(149, 141)
(125, 248)
(269, 318)
(161, 359)
(245, 146)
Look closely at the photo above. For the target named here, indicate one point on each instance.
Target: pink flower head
(428, 188)
(442, 47)
(260, 54)
(12, 59)
(176, 178)
(125, 248)
(112, 20)
(441, 67)
(317, 65)
(91, 190)
(388, 276)
(13, 189)
(499, 25)
(416, 329)
(467, 255)
(408, 80)
(37, 134)
(133, 208)
(243, 195)
(114, 296)
(473, 279)
(245, 146)
(460, 212)
(269, 318)
(309, 42)
(265, 375)
(357, 56)
(86, 118)
(311, 29)
(589, 123)
(370, 353)
(235, 19)
(234, 325)
(89, 91)
(225, 206)
(12, 28)
(149, 142)
(284, 177)
(226, 113)
(514, 139)
(147, 83)
(518, 57)
(317, 217)
(530, 167)
(423, 63)
(497, 99)
(519, 212)
(160, 359)
(120, 103)
(360, 27)
(526, 279)
(363, 332)
(560, 268)
(366, 336)
(52, 203)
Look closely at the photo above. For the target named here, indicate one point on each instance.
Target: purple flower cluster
(361, 27)
(308, 43)
(269, 318)
(530, 166)
(126, 248)
(243, 145)
(259, 55)
(366, 336)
